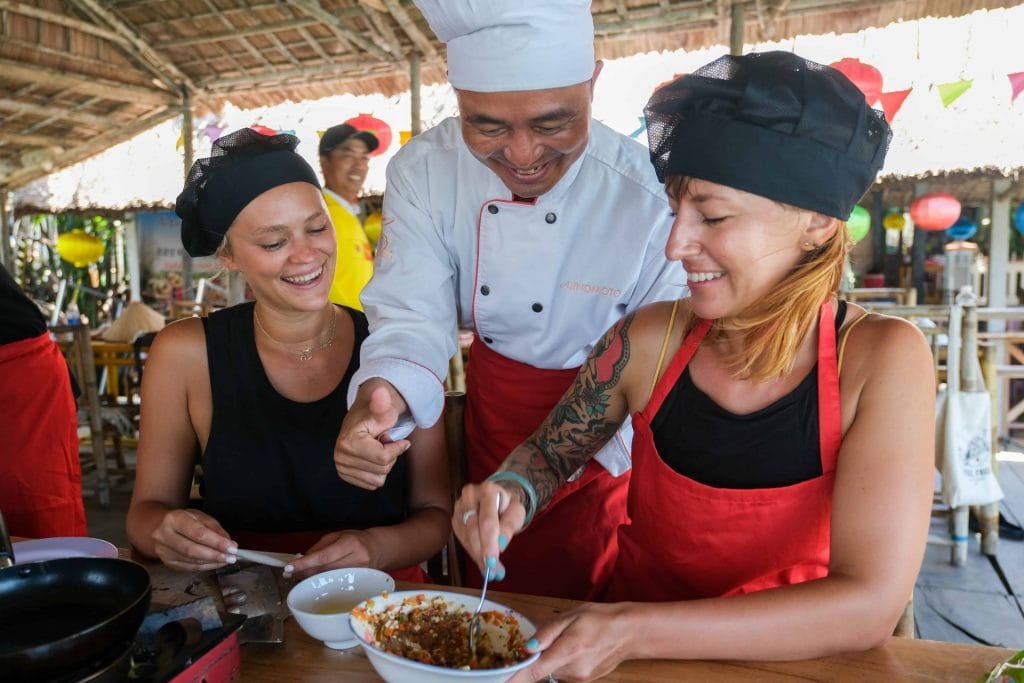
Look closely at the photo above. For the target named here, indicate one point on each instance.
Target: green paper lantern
(858, 224)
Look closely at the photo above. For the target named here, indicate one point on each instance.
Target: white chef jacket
(540, 283)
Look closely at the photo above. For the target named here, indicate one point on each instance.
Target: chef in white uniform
(538, 228)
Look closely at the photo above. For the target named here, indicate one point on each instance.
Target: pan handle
(6, 549)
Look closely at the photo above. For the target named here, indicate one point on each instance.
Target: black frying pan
(58, 616)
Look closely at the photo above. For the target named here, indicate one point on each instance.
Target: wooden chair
(187, 309)
(76, 345)
(445, 567)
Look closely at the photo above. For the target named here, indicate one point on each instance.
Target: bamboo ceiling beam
(241, 32)
(61, 20)
(218, 85)
(314, 43)
(164, 68)
(314, 9)
(249, 9)
(29, 140)
(422, 43)
(604, 26)
(249, 47)
(383, 29)
(107, 89)
(93, 146)
(56, 112)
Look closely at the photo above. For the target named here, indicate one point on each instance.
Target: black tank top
(269, 463)
(772, 447)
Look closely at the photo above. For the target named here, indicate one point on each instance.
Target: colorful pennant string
(1016, 84)
(892, 101)
(950, 92)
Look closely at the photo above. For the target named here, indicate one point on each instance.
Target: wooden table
(301, 658)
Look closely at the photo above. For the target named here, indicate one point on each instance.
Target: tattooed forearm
(583, 421)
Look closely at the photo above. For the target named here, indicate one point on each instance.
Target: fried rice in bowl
(423, 636)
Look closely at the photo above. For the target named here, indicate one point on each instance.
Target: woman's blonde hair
(773, 327)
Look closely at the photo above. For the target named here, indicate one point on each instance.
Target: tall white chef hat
(511, 45)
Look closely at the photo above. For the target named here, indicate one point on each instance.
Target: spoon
(475, 621)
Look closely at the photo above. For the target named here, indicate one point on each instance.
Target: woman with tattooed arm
(782, 463)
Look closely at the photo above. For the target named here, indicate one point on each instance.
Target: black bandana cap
(772, 124)
(242, 165)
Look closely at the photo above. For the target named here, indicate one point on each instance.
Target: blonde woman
(257, 392)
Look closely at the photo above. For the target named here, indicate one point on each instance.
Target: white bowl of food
(423, 637)
(321, 603)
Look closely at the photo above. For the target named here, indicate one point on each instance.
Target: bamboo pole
(416, 122)
(186, 132)
(736, 26)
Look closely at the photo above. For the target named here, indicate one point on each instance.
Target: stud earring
(808, 245)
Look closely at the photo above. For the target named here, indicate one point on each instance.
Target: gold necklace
(305, 350)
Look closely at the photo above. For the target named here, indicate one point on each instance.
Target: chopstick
(270, 559)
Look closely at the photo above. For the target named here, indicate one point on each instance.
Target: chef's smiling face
(529, 138)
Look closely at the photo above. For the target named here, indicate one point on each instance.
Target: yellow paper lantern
(894, 221)
(80, 248)
(372, 227)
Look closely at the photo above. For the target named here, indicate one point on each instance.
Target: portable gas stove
(188, 643)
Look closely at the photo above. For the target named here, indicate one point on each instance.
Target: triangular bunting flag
(1016, 83)
(892, 101)
(950, 92)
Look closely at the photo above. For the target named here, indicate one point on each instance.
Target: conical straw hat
(136, 318)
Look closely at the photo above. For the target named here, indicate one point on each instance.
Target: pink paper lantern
(864, 76)
(379, 128)
(935, 211)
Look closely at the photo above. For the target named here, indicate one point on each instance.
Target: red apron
(688, 540)
(40, 475)
(301, 541)
(569, 549)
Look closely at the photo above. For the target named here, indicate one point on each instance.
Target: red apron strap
(830, 421)
(676, 367)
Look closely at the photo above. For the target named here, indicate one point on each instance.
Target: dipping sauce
(333, 604)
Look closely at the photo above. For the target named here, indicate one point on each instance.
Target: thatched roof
(79, 76)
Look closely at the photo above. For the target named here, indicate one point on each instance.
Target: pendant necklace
(303, 350)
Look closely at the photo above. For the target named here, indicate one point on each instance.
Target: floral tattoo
(585, 418)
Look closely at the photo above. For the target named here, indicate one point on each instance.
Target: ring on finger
(466, 515)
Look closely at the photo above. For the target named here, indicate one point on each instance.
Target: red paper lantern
(375, 126)
(935, 211)
(864, 76)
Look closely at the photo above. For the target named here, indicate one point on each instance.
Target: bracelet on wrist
(529, 501)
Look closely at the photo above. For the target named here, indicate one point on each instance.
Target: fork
(475, 620)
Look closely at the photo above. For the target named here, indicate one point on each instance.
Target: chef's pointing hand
(364, 453)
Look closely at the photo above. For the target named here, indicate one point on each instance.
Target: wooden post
(416, 123)
(131, 241)
(6, 256)
(736, 26)
(917, 251)
(878, 236)
(186, 134)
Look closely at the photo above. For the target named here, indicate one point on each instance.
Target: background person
(344, 161)
(40, 474)
(534, 226)
(258, 390)
(783, 452)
